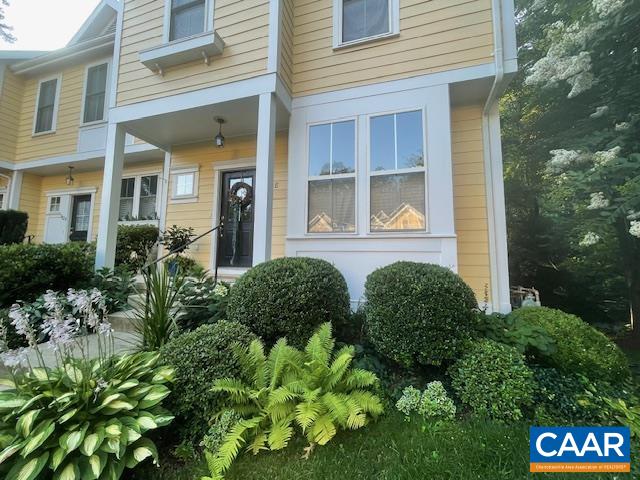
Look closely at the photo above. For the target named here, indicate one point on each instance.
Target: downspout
(493, 167)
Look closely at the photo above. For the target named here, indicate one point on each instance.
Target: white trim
(202, 46)
(115, 64)
(275, 20)
(164, 201)
(107, 86)
(15, 190)
(394, 25)
(193, 196)
(70, 191)
(209, 6)
(218, 169)
(56, 104)
(89, 21)
(137, 189)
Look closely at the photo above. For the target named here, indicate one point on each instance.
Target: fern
(315, 390)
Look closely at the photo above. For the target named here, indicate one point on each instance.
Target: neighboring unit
(359, 131)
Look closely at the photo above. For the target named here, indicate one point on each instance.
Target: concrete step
(136, 300)
(123, 321)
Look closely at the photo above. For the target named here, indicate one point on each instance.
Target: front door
(57, 220)
(235, 247)
(80, 218)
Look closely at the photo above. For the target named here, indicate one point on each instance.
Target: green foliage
(199, 357)
(493, 380)
(187, 265)
(417, 313)
(134, 245)
(315, 390)
(220, 428)
(176, 238)
(86, 420)
(431, 404)
(155, 315)
(516, 332)
(289, 297)
(26, 271)
(580, 348)
(627, 415)
(203, 302)
(116, 285)
(13, 226)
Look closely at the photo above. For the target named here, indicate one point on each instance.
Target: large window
(365, 19)
(139, 198)
(397, 173)
(95, 93)
(332, 178)
(46, 107)
(187, 18)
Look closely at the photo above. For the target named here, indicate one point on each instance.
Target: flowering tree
(579, 102)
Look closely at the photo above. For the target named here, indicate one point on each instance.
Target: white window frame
(394, 25)
(56, 105)
(137, 188)
(209, 7)
(107, 92)
(3, 197)
(50, 211)
(331, 176)
(424, 169)
(192, 197)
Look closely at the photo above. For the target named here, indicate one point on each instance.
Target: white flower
(600, 112)
(621, 127)
(220, 290)
(14, 358)
(61, 331)
(20, 321)
(104, 328)
(635, 228)
(605, 157)
(604, 8)
(598, 201)
(563, 159)
(589, 239)
(633, 215)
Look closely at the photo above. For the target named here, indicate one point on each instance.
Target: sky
(45, 24)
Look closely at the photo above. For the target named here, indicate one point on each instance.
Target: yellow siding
(435, 35)
(30, 202)
(470, 199)
(243, 25)
(65, 139)
(199, 215)
(285, 68)
(10, 103)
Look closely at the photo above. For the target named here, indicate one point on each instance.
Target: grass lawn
(393, 449)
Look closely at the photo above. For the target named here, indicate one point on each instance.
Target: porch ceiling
(199, 125)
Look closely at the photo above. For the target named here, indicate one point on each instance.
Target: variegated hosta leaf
(95, 466)
(164, 375)
(146, 421)
(140, 451)
(59, 454)
(91, 443)
(37, 437)
(10, 451)
(26, 422)
(71, 471)
(127, 384)
(154, 397)
(68, 416)
(10, 401)
(29, 468)
(73, 439)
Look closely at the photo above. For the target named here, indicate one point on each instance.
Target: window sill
(93, 124)
(354, 43)
(185, 199)
(370, 236)
(138, 222)
(42, 134)
(202, 46)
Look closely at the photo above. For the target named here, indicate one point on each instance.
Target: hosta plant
(315, 390)
(82, 418)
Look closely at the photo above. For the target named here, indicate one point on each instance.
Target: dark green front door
(80, 218)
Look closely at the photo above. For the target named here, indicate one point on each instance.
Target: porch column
(111, 184)
(263, 190)
(15, 188)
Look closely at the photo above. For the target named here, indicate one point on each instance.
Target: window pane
(383, 155)
(1, 201)
(187, 21)
(410, 139)
(364, 18)
(95, 95)
(48, 93)
(128, 187)
(332, 206)
(96, 79)
(344, 147)
(319, 150)
(184, 184)
(147, 208)
(46, 103)
(54, 205)
(126, 209)
(397, 202)
(149, 185)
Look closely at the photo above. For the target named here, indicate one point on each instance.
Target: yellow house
(359, 131)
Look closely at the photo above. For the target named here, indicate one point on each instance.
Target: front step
(123, 321)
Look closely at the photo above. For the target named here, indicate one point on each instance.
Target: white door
(56, 228)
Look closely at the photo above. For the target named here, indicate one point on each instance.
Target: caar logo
(579, 449)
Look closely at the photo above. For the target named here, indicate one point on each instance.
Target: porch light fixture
(70, 178)
(220, 137)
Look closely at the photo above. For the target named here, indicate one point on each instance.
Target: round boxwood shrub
(580, 348)
(199, 358)
(418, 313)
(493, 380)
(289, 297)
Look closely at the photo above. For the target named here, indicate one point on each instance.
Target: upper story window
(332, 178)
(360, 20)
(139, 198)
(187, 18)
(46, 106)
(2, 194)
(95, 93)
(397, 173)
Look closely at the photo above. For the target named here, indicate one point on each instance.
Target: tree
(5, 29)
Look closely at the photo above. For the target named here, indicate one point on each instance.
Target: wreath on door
(241, 194)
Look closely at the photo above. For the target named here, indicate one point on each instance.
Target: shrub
(493, 380)
(13, 226)
(27, 271)
(432, 404)
(526, 337)
(134, 245)
(417, 313)
(580, 348)
(219, 430)
(116, 285)
(289, 297)
(203, 302)
(199, 357)
(315, 390)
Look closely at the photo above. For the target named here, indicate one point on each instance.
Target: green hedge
(580, 348)
(418, 313)
(289, 297)
(27, 271)
(13, 226)
(134, 244)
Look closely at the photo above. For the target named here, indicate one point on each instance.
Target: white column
(15, 188)
(263, 190)
(111, 184)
